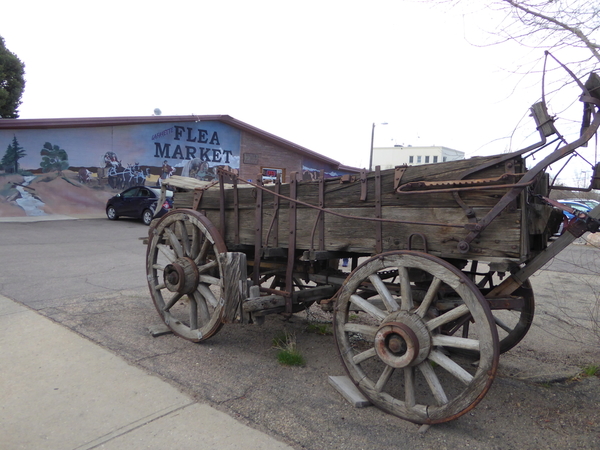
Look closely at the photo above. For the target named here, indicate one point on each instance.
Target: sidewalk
(47, 217)
(60, 391)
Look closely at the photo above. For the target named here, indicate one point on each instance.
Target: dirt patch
(65, 195)
(60, 194)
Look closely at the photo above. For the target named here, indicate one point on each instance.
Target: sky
(317, 73)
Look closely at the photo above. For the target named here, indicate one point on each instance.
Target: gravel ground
(537, 400)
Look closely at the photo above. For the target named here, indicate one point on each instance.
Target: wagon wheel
(388, 321)
(184, 276)
(514, 318)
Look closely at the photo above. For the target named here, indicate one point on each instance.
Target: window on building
(426, 159)
(435, 159)
(444, 159)
(418, 160)
(411, 159)
(270, 175)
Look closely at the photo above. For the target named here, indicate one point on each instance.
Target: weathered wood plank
(502, 239)
(346, 194)
(233, 266)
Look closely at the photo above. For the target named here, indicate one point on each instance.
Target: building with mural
(72, 166)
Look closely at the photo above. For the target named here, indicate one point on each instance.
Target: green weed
(319, 328)
(590, 370)
(287, 352)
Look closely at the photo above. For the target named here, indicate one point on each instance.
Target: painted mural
(311, 171)
(75, 170)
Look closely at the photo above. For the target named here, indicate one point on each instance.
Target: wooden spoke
(384, 378)
(207, 279)
(513, 321)
(203, 252)
(409, 387)
(189, 299)
(208, 266)
(452, 367)
(431, 294)
(182, 233)
(175, 244)
(202, 307)
(434, 383)
(451, 315)
(196, 243)
(193, 313)
(382, 347)
(405, 289)
(172, 302)
(502, 325)
(206, 293)
(388, 300)
(165, 250)
(366, 330)
(456, 342)
(369, 308)
(364, 356)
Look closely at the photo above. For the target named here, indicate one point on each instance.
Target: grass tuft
(287, 352)
(591, 370)
(319, 328)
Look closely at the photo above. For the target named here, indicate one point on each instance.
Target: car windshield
(577, 206)
(591, 203)
(157, 192)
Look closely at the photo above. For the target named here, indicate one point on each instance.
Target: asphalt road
(89, 275)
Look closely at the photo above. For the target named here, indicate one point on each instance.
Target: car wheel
(147, 216)
(111, 213)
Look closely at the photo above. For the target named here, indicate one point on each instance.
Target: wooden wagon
(440, 257)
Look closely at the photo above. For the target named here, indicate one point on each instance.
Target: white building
(390, 157)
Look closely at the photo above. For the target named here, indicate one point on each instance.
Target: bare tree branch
(575, 30)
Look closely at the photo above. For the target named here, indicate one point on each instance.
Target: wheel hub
(402, 340)
(181, 276)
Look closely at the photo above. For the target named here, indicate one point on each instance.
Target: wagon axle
(181, 276)
(402, 340)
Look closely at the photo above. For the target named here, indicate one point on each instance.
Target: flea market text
(188, 134)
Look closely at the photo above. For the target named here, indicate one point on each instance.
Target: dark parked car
(591, 204)
(577, 205)
(138, 202)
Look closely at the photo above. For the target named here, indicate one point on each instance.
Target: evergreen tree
(14, 152)
(12, 82)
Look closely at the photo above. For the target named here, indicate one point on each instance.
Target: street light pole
(372, 137)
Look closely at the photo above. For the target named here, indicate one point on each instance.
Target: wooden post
(289, 274)
(321, 214)
(276, 213)
(236, 212)
(258, 234)
(222, 205)
(379, 224)
(233, 266)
